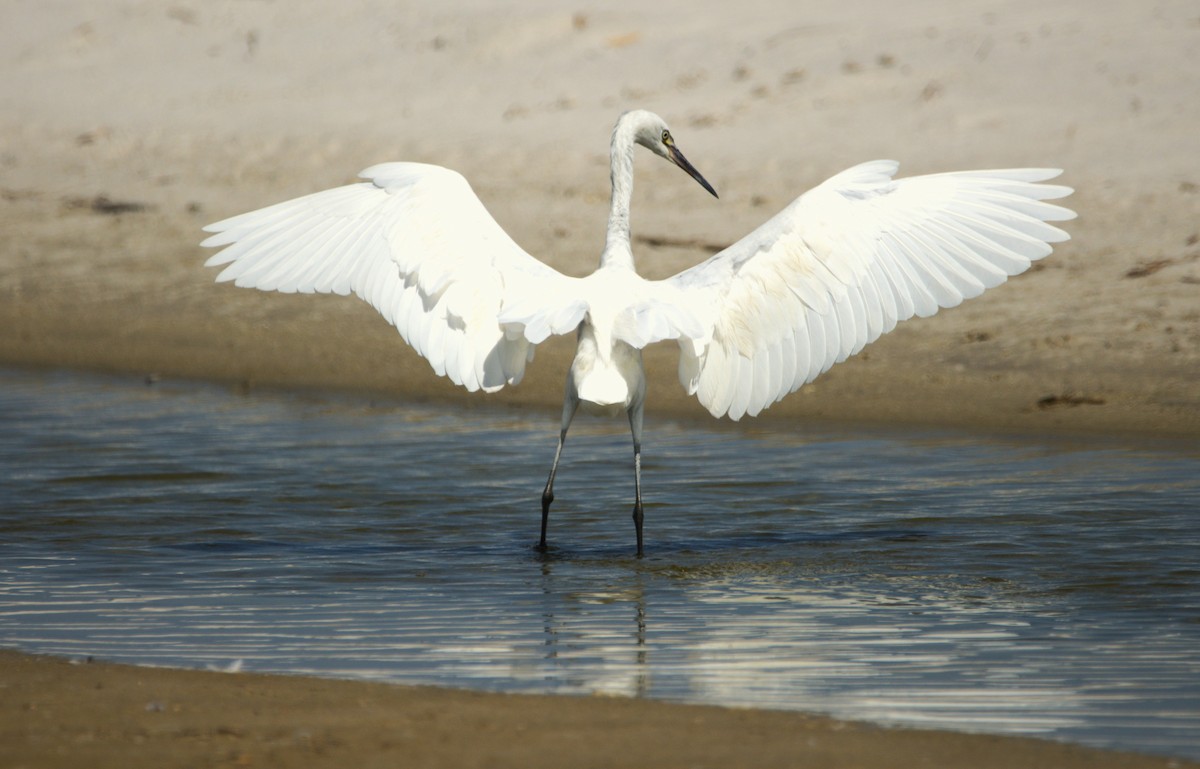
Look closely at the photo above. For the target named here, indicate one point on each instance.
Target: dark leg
(569, 407)
(635, 427)
(638, 516)
(548, 492)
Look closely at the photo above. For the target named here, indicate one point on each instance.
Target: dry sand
(125, 127)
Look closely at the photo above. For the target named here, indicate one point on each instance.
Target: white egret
(834, 270)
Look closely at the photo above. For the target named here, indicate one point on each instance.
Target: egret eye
(666, 138)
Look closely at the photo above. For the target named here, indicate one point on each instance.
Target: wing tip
(216, 260)
(215, 240)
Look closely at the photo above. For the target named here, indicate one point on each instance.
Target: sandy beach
(62, 714)
(126, 131)
(126, 128)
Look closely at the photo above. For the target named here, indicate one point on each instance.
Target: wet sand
(62, 714)
(126, 129)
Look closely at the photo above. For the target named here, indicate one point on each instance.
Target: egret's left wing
(415, 242)
(845, 262)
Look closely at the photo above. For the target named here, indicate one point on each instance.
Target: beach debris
(1148, 268)
(664, 241)
(1069, 400)
(102, 204)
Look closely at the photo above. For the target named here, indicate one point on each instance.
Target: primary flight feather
(836, 269)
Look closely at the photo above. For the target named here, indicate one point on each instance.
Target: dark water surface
(919, 578)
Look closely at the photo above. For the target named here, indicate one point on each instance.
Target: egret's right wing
(416, 243)
(843, 264)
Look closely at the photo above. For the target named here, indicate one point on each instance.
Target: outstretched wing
(416, 243)
(845, 262)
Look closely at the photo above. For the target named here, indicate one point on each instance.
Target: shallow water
(920, 578)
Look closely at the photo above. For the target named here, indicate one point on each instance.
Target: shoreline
(1083, 434)
(62, 713)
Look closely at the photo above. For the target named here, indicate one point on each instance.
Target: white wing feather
(416, 243)
(845, 262)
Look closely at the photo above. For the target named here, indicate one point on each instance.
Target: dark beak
(678, 159)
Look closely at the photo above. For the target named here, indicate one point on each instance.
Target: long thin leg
(638, 515)
(635, 427)
(569, 408)
(548, 492)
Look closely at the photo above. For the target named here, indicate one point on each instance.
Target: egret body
(833, 271)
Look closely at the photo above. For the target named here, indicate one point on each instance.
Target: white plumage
(836, 269)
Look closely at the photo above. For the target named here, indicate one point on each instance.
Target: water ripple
(930, 579)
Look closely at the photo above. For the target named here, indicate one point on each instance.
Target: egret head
(652, 133)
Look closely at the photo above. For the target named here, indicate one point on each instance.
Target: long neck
(616, 245)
